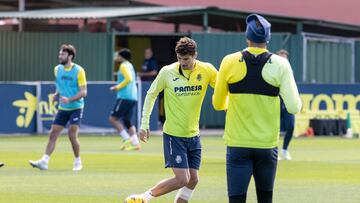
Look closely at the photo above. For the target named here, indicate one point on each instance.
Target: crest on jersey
(198, 77)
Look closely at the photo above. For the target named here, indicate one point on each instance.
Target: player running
(126, 102)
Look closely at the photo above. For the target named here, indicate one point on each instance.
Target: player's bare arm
(54, 96)
(82, 93)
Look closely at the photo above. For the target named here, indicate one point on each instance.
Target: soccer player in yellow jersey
(71, 87)
(184, 83)
(248, 87)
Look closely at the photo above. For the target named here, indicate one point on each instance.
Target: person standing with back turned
(248, 87)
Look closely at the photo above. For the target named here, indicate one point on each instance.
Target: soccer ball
(135, 199)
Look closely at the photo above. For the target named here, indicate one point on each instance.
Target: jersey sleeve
(288, 89)
(127, 77)
(156, 87)
(221, 91)
(82, 78)
(212, 75)
(56, 70)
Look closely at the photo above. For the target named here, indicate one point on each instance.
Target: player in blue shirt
(126, 102)
(71, 90)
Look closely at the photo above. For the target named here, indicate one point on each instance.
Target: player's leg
(54, 134)
(290, 125)
(114, 121)
(175, 153)
(265, 163)
(73, 132)
(239, 168)
(58, 125)
(128, 116)
(283, 124)
(131, 128)
(194, 160)
(182, 177)
(2, 164)
(135, 143)
(115, 114)
(185, 193)
(74, 139)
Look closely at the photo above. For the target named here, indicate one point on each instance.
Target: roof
(344, 11)
(13, 5)
(95, 12)
(225, 19)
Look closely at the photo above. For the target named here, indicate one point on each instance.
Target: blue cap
(257, 34)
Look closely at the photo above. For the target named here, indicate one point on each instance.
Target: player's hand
(54, 97)
(113, 88)
(64, 100)
(144, 135)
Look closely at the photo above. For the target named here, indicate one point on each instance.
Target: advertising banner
(29, 108)
(17, 108)
(329, 102)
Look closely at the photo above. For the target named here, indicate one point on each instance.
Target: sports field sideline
(324, 169)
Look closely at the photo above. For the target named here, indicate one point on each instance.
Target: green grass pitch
(323, 170)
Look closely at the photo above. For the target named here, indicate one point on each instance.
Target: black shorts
(72, 116)
(242, 163)
(124, 109)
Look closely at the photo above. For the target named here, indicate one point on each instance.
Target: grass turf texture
(323, 170)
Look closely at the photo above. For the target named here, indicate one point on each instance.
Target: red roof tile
(345, 11)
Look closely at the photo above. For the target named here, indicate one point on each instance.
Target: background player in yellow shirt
(248, 86)
(184, 83)
(126, 102)
(71, 87)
